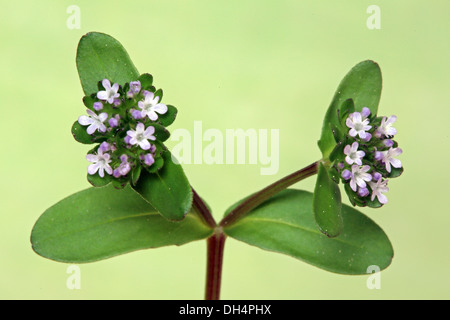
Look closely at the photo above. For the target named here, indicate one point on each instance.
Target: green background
(231, 64)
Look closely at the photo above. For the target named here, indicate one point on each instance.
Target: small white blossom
(100, 163)
(141, 135)
(378, 189)
(387, 157)
(110, 93)
(150, 106)
(386, 127)
(353, 155)
(359, 177)
(94, 121)
(358, 125)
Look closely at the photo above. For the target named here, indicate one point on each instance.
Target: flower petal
(85, 120)
(103, 116)
(161, 108)
(396, 163)
(152, 115)
(144, 144)
(140, 127)
(106, 84)
(149, 131)
(91, 157)
(91, 129)
(92, 169)
(102, 95)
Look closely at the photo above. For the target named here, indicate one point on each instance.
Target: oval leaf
(286, 224)
(100, 56)
(363, 85)
(327, 204)
(99, 223)
(168, 118)
(167, 190)
(79, 133)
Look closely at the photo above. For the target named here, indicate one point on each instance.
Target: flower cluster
(368, 157)
(128, 125)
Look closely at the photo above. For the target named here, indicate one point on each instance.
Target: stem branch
(203, 210)
(259, 197)
(216, 242)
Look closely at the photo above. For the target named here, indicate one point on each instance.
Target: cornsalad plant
(142, 199)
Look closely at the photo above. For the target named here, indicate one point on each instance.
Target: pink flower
(150, 106)
(386, 127)
(141, 135)
(110, 92)
(94, 121)
(100, 163)
(359, 176)
(378, 189)
(358, 125)
(353, 155)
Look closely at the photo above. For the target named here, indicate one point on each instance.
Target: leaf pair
(360, 88)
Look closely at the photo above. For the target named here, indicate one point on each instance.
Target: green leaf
(161, 133)
(88, 101)
(168, 190)
(159, 93)
(327, 204)
(100, 223)
(156, 166)
(395, 172)
(135, 174)
(100, 56)
(97, 181)
(146, 81)
(345, 109)
(168, 118)
(285, 224)
(354, 198)
(79, 133)
(338, 152)
(363, 85)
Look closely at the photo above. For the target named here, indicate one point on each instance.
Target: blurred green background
(231, 64)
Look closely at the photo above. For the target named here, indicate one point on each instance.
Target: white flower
(150, 106)
(358, 125)
(353, 155)
(94, 121)
(110, 92)
(377, 189)
(141, 135)
(387, 157)
(386, 127)
(359, 177)
(100, 163)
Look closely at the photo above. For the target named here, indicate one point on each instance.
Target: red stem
(215, 245)
(259, 197)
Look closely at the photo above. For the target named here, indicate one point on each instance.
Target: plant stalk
(216, 242)
(215, 246)
(203, 210)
